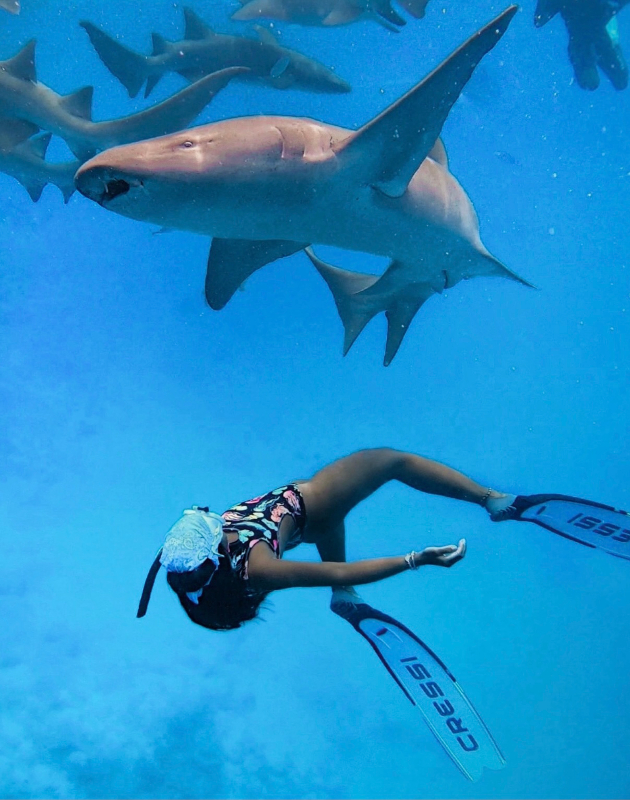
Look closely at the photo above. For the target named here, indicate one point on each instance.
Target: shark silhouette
(266, 187)
(330, 12)
(203, 51)
(22, 156)
(22, 97)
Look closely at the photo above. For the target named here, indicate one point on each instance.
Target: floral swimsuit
(258, 520)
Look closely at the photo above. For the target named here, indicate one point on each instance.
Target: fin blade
(417, 8)
(195, 27)
(152, 82)
(35, 147)
(127, 66)
(342, 16)
(12, 6)
(160, 44)
(15, 131)
(399, 316)
(389, 149)
(79, 103)
(345, 285)
(22, 65)
(232, 261)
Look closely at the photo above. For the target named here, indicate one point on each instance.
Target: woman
(221, 576)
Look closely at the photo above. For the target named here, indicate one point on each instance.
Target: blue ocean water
(125, 399)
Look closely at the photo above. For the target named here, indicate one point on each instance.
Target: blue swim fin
(584, 521)
(428, 684)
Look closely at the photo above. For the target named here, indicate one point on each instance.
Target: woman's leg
(336, 489)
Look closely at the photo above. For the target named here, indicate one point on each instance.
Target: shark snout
(103, 184)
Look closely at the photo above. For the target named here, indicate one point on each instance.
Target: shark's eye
(187, 143)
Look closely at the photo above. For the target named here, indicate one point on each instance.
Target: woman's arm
(268, 573)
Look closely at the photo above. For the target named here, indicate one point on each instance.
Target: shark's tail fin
(360, 297)
(129, 67)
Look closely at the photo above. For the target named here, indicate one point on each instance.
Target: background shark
(330, 13)
(23, 98)
(22, 156)
(266, 187)
(203, 51)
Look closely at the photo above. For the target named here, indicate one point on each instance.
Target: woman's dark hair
(226, 602)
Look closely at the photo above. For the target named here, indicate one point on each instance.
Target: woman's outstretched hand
(442, 556)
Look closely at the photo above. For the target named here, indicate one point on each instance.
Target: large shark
(266, 187)
(202, 51)
(23, 98)
(330, 12)
(22, 156)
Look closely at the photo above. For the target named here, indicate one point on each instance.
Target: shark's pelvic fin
(232, 261)
(345, 285)
(127, 66)
(387, 151)
(266, 36)
(22, 65)
(255, 9)
(342, 15)
(195, 27)
(79, 103)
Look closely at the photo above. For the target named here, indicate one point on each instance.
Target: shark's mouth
(115, 188)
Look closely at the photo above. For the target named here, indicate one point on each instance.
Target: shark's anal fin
(231, 261)
(387, 151)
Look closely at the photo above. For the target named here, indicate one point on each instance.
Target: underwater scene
(300, 296)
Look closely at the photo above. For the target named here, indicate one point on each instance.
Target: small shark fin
(399, 316)
(127, 66)
(345, 286)
(438, 153)
(280, 67)
(79, 103)
(152, 82)
(22, 65)
(195, 27)
(546, 10)
(160, 44)
(15, 131)
(35, 147)
(416, 8)
(388, 150)
(232, 261)
(266, 36)
(497, 269)
(387, 13)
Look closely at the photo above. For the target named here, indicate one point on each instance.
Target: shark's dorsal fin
(387, 151)
(15, 131)
(160, 44)
(79, 103)
(22, 65)
(231, 261)
(266, 36)
(196, 28)
(35, 147)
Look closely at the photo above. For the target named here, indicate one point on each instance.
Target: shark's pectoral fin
(546, 10)
(387, 151)
(231, 261)
(345, 285)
